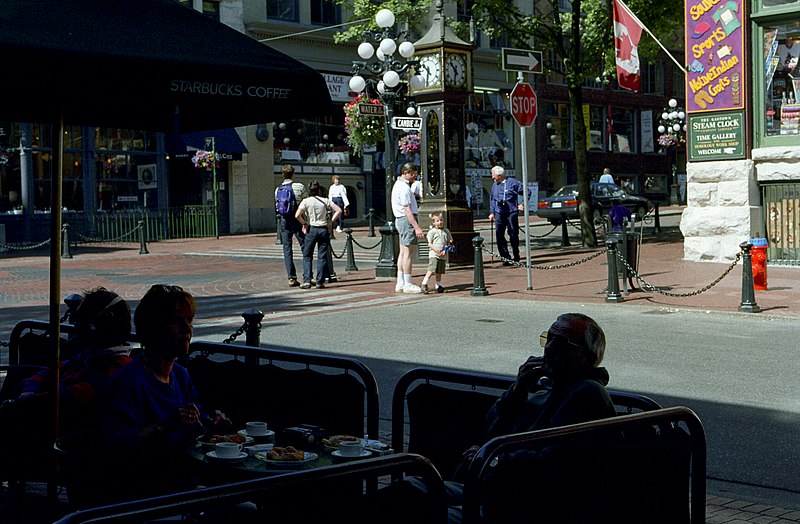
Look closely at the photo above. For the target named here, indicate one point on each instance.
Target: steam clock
(445, 81)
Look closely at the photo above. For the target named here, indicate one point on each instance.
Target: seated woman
(150, 412)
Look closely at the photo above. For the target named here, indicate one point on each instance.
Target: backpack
(285, 203)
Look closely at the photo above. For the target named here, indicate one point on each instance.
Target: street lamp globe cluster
(386, 58)
(672, 125)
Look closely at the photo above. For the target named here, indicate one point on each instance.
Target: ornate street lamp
(672, 126)
(386, 58)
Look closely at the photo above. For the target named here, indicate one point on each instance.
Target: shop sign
(715, 55)
(338, 87)
(718, 136)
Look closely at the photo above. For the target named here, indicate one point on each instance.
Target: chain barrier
(647, 286)
(236, 334)
(545, 235)
(334, 252)
(119, 238)
(365, 247)
(25, 247)
(4, 344)
(559, 266)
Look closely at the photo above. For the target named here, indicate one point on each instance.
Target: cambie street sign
(523, 104)
(407, 123)
(525, 60)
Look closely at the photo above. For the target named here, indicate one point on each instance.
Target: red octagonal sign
(523, 104)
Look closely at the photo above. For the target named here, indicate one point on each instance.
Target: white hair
(498, 170)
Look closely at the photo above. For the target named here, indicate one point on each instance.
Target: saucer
(244, 433)
(239, 456)
(364, 453)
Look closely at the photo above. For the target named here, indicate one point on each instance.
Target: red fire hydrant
(759, 261)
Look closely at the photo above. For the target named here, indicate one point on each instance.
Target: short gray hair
(593, 335)
(498, 170)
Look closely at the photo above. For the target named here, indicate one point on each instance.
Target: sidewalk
(253, 264)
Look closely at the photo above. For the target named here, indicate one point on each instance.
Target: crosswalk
(276, 252)
(222, 315)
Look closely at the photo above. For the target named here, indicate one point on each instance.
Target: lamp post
(380, 73)
(672, 127)
(211, 146)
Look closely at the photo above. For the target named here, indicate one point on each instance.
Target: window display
(782, 78)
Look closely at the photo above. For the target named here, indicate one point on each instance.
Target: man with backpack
(287, 195)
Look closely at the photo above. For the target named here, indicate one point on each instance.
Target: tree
(585, 46)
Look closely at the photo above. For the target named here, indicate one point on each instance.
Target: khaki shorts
(436, 266)
(405, 231)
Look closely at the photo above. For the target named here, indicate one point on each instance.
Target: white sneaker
(339, 230)
(412, 288)
(398, 288)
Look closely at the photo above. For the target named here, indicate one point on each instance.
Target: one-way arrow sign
(526, 60)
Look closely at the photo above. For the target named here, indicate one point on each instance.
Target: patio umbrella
(143, 64)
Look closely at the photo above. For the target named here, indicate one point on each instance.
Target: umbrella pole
(55, 265)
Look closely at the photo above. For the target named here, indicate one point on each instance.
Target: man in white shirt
(404, 209)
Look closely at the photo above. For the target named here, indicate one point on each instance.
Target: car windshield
(567, 191)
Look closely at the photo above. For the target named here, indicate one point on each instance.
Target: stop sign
(523, 104)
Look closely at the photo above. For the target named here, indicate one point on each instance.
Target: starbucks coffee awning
(226, 141)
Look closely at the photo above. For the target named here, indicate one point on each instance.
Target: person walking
(404, 209)
(504, 212)
(287, 195)
(338, 194)
(312, 214)
(439, 242)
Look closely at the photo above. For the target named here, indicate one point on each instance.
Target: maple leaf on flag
(627, 33)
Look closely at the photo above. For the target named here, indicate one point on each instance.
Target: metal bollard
(748, 304)
(613, 294)
(329, 265)
(371, 216)
(252, 320)
(72, 301)
(478, 286)
(564, 232)
(351, 257)
(278, 240)
(390, 248)
(142, 239)
(65, 252)
(657, 224)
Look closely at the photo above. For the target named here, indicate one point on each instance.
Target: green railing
(159, 224)
(782, 219)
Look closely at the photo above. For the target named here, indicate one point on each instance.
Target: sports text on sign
(523, 104)
(370, 109)
(526, 60)
(407, 123)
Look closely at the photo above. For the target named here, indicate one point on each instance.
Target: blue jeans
(316, 236)
(290, 227)
(510, 221)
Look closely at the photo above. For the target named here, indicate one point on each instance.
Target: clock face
(455, 70)
(430, 70)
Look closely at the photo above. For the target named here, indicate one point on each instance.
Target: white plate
(247, 440)
(213, 455)
(307, 457)
(364, 453)
(258, 448)
(244, 433)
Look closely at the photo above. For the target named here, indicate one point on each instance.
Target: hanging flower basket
(362, 130)
(207, 160)
(409, 145)
(667, 140)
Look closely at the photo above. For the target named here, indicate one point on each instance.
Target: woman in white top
(312, 213)
(338, 194)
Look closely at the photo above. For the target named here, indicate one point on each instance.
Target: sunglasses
(546, 337)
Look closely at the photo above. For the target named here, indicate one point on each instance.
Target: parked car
(564, 203)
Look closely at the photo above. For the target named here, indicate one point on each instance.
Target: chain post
(252, 329)
(371, 216)
(65, 252)
(142, 239)
(278, 239)
(613, 294)
(564, 232)
(748, 304)
(329, 265)
(478, 287)
(348, 247)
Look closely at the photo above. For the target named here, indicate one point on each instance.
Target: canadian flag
(627, 32)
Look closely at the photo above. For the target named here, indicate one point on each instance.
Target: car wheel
(641, 211)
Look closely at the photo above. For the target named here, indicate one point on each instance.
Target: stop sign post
(523, 104)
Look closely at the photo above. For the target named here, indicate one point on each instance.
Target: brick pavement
(208, 266)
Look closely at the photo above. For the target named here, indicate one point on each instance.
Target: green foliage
(404, 11)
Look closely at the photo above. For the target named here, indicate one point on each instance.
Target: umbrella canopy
(139, 64)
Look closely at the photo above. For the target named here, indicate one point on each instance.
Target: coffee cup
(256, 429)
(351, 448)
(227, 449)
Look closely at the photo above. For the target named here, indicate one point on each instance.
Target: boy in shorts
(439, 244)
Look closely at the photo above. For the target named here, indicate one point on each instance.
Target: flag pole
(636, 19)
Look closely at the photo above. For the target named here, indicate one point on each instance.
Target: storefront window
(285, 10)
(782, 79)
(622, 131)
(596, 128)
(313, 141)
(325, 12)
(489, 131)
(559, 125)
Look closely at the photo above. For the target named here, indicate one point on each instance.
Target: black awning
(226, 142)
